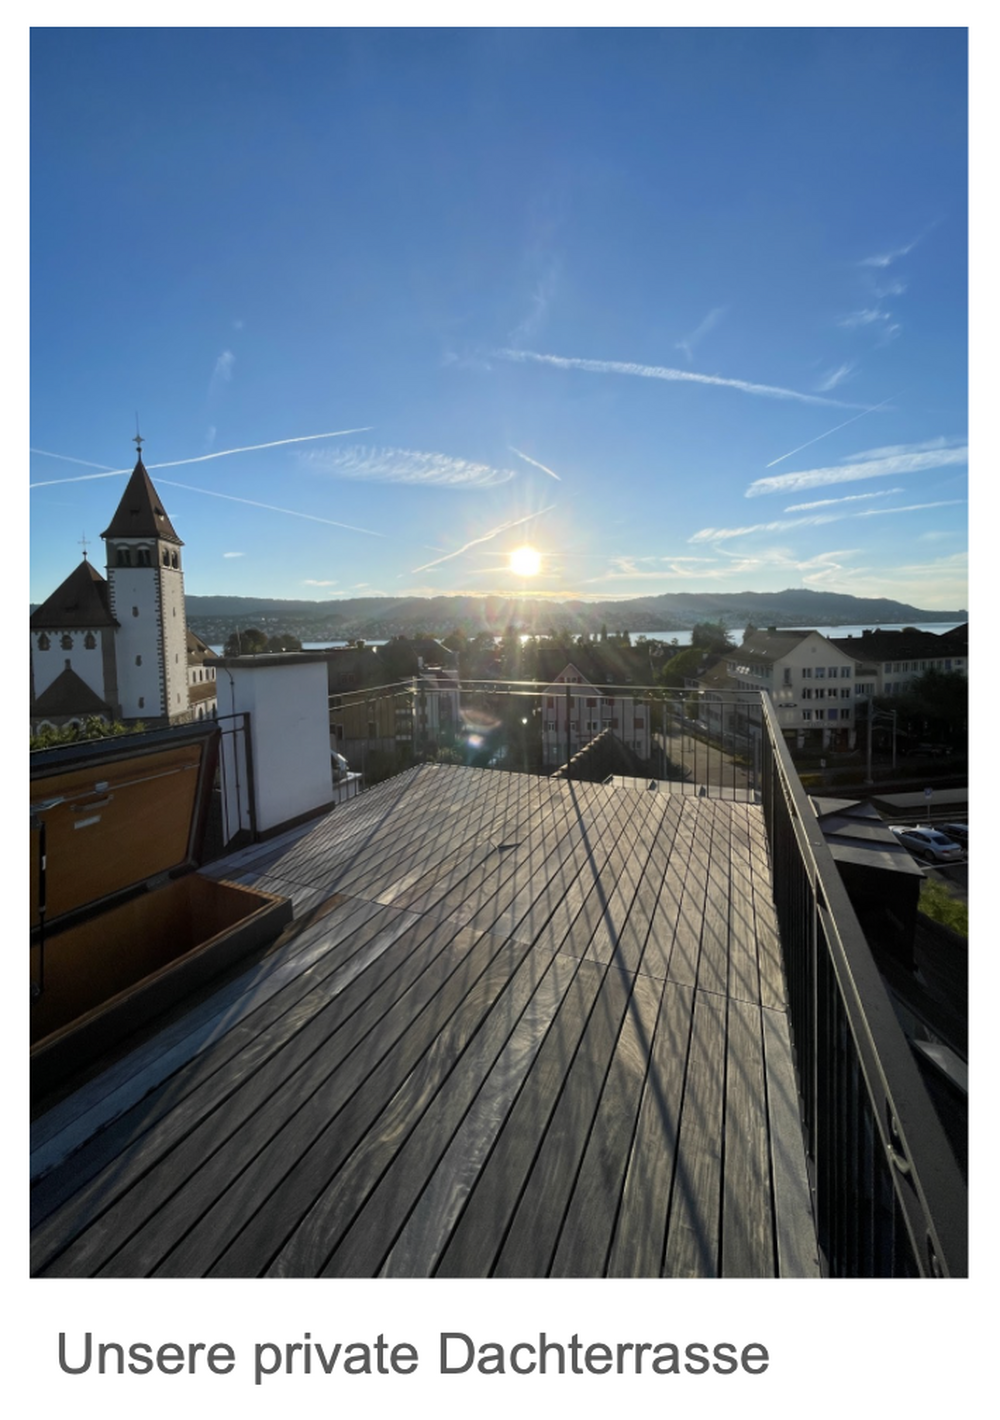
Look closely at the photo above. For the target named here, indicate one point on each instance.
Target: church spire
(140, 512)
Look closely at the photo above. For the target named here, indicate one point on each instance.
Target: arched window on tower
(143, 557)
(43, 642)
(123, 557)
(90, 641)
(166, 558)
(174, 560)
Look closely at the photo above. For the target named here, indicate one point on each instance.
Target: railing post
(568, 749)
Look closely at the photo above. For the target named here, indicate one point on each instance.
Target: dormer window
(66, 641)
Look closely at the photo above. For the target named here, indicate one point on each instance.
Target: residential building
(813, 684)
(891, 660)
(570, 720)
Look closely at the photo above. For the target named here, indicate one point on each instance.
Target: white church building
(119, 646)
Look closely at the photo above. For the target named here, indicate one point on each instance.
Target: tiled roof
(769, 646)
(69, 695)
(80, 601)
(140, 512)
(908, 644)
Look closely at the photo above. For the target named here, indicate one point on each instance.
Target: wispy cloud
(408, 466)
(201, 458)
(85, 463)
(541, 298)
(661, 372)
(891, 451)
(270, 507)
(234, 554)
(869, 315)
(316, 582)
(798, 449)
(888, 257)
(836, 377)
(816, 520)
(698, 334)
(222, 372)
(486, 537)
(535, 463)
(892, 465)
(848, 498)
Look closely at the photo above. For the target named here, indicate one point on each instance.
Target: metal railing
(889, 1197)
(691, 742)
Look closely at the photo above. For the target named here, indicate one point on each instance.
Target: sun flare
(525, 561)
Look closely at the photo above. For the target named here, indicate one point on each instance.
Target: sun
(525, 561)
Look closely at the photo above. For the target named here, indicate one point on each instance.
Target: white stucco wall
(87, 664)
(286, 697)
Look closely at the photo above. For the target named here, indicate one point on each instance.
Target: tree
(245, 643)
(685, 664)
(711, 636)
(285, 641)
(93, 727)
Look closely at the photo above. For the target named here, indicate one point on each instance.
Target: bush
(937, 903)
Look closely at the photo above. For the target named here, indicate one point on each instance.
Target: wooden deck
(519, 1028)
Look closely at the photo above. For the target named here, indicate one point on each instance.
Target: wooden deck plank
(747, 1224)
(479, 1232)
(498, 1056)
(640, 1234)
(590, 1217)
(798, 1255)
(534, 1231)
(693, 1230)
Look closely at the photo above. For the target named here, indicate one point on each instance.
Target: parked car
(957, 832)
(927, 843)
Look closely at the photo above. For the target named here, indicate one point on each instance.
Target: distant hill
(377, 617)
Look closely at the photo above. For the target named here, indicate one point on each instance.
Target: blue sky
(682, 309)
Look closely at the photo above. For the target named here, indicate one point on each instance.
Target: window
(591, 704)
(807, 672)
(845, 694)
(122, 557)
(832, 672)
(787, 677)
(135, 611)
(166, 558)
(845, 714)
(66, 641)
(550, 703)
(845, 673)
(142, 702)
(820, 672)
(138, 660)
(142, 557)
(43, 642)
(807, 714)
(89, 641)
(807, 693)
(174, 560)
(820, 714)
(550, 725)
(640, 724)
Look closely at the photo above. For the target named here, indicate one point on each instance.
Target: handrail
(890, 1198)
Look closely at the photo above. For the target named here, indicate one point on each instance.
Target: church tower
(146, 594)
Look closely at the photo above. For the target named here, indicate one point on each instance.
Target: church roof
(82, 600)
(140, 512)
(69, 695)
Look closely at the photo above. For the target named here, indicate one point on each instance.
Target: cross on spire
(138, 441)
(84, 544)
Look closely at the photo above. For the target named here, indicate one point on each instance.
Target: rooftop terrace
(519, 1027)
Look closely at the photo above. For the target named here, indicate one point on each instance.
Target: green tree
(711, 636)
(249, 642)
(285, 641)
(93, 727)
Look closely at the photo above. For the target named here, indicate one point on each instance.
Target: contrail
(535, 463)
(66, 458)
(312, 517)
(661, 372)
(201, 458)
(485, 538)
(830, 431)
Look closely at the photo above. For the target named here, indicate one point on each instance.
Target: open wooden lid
(118, 812)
